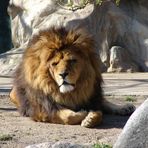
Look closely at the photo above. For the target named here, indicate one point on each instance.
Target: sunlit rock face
(120, 61)
(28, 17)
(134, 134)
(125, 26)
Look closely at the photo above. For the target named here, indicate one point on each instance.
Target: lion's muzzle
(66, 87)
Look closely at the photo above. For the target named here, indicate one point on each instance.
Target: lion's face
(62, 64)
(65, 68)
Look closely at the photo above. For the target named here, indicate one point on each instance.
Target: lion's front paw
(81, 115)
(75, 117)
(92, 119)
(127, 109)
(67, 116)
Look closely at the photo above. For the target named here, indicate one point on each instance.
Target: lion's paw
(92, 119)
(81, 114)
(127, 109)
(75, 117)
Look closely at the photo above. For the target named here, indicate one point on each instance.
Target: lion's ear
(79, 37)
(85, 42)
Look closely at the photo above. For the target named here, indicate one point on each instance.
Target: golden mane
(42, 49)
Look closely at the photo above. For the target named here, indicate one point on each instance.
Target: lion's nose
(63, 75)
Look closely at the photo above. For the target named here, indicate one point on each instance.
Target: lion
(59, 80)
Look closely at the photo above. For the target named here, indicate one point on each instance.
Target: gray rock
(28, 20)
(125, 25)
(41, 145)
(120, 61)
(10, 60)
(59, 145)
(135, 132)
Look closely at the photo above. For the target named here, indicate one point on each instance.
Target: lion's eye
(54, 63)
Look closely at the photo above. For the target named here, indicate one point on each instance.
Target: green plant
(78, 4)
(117, 2)
(6, 137)
(100, 1)
(130, 99)
(73, 4)
(101, 145)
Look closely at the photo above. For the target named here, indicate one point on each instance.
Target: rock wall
(124, 26)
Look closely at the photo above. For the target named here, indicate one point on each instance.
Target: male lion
(59, 81)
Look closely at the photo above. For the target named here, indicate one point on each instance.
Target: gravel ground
(18, 132)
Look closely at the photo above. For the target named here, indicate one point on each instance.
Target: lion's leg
(66, 116)
(124, 110)
(14, 98)
(41, 116)
(93, 119)
(63, 116)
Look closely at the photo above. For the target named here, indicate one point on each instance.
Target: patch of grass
(6, 137)
(101, 145)
(130, 99)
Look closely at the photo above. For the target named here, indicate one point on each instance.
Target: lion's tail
(111, 108)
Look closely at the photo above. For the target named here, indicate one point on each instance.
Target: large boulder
(28, 17)
(120, 61)
(135, 132)
(125, 25)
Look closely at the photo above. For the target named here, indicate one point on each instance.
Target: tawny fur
(36, 89)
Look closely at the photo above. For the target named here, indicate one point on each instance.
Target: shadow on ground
(113, 121)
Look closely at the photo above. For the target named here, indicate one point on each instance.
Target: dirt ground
(18, 132)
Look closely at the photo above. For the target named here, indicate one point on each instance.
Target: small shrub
(5, 137)
(130, 99)
(101, 145)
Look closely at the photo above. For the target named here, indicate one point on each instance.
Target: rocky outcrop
(125, 25)
(28, 17)
(135, 132)
(120, 61)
